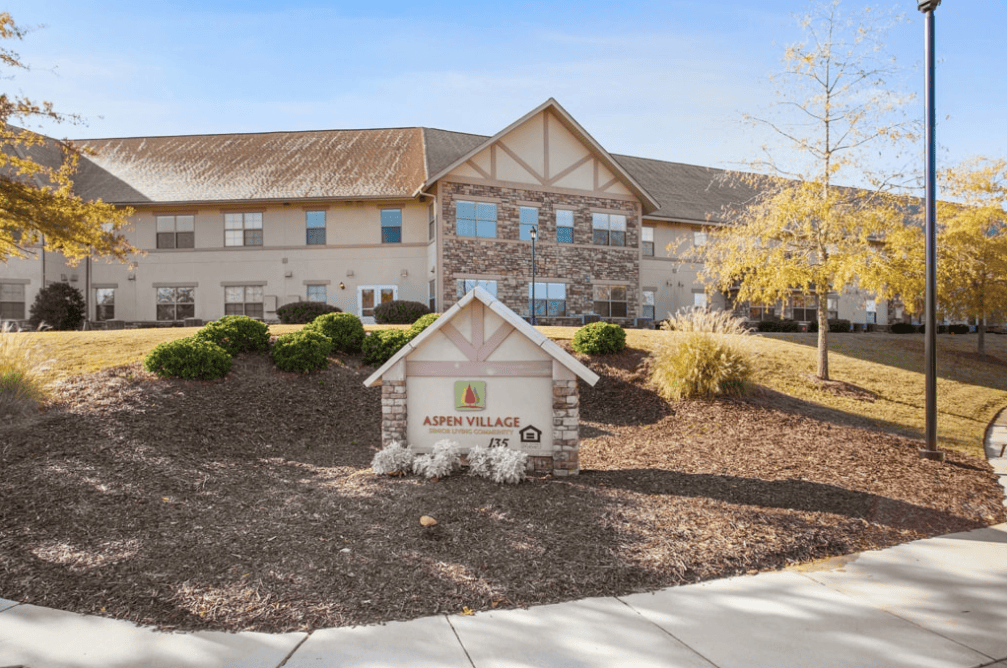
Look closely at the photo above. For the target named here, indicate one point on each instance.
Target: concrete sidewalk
(940, 602)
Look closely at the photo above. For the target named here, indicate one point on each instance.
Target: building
(244, 223)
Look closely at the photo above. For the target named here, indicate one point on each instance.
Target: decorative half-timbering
(481, 375)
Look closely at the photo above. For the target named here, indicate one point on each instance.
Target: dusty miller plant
(442, 462)
(393, 459)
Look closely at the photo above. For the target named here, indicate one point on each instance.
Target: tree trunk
(981, 336)
(823, 337)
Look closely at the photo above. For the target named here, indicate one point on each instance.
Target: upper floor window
(391, 226)
(243, 229)
(104, 300)
(549, 299)
(11, 301)
(609, 229)
(528, 218)
(431, 221)
(564, 226)
(647, 241)
(176, 231)
(610, 301)
(699, 238)
(476, 219)
(465, 285)
(244, 300)
(315, 224)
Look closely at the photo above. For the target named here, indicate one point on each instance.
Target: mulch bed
(248, 504)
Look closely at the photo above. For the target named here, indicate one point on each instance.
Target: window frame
(648, 300)
(464, 285)
(602, 300)
(553, 304)
(391, 233)
(320, 230)
(176, 235)
(251, 230)
(175, 303)
(525, 222)
(8, 305)
(314, 287)
(258, 306)
(104, 309)
(481, 223)
(602, 228)
(647, 245)
(378, 298)
(562, 226)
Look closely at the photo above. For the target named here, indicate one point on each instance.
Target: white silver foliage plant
(501, 465)
(394, 459)
(479, 461)
(441, 462)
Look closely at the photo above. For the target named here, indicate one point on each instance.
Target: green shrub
(959, 329)
(379, 346)
(903, 328)
(189, 359)
(236, 334)
(399, 312)
(421, 324)
(303, 351)
(59, 306)
(839, 326)
(599, 338)
(700, 364)
(778, 326)
(301, 313)
(25, 373)
(344, 330)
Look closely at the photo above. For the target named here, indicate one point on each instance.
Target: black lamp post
(930, 316)
(534, 234)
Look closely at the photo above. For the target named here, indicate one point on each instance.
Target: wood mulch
(247, 503)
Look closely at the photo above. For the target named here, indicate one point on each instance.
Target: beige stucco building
(245, 223)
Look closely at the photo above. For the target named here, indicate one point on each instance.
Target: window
(648, 304)
(465, 285)
(699, 238)
(243, 300)
(176, 231)
(759, 311)
(528, 220)
(317, 293)
(431, 221)
(11, 301)
(564, 226)
(610, 301)
(647, 241)
(315, 223)
(369, 297)
(432, 296)
(609, 229)
(833, 308)
(872, 312)
(476, 219)
(176, 303)
(805, 307)
(104, 304)
(243, 229)
(699, 300)
(549, 299)
(391, 226)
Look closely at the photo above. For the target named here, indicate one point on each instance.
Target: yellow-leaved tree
(38, 205)
(800, 236)
(972, 243)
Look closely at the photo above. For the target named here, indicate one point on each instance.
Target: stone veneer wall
(507, 257)
(393, 411)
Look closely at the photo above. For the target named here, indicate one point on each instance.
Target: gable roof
(350, 164)
(649, 203)
(545, 343)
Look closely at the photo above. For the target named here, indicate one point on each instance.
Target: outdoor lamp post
(930, 316)
(534, 234)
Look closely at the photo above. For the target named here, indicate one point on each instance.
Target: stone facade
(393, 411)
(507, 259)
(565, 424)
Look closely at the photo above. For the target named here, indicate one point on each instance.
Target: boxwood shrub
(835, 325)
(379, 346)
(959, 329)
(599, 338)
(236, 334)
(189, 358)
(301, 313)
(399, 312)
(302, 351)
(344, 330)
(902, 328)
(421, 324)
(778, 326)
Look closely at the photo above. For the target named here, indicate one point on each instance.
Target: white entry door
(369, 296)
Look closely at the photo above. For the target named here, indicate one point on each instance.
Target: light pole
(534, 234)
(930, 316)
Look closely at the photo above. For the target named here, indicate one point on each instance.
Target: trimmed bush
(301, 352)
(700, 364)
(959, 329)
(941, 329)
(903, 328)
(839, 326)
(344, 330)
(236, 334)
(599, 338)
(399, 312)
(59, 306)
(189, 359)
(778, 326)
(421, 324)
(379, 346)
(301, 313)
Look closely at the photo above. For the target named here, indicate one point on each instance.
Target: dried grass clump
(705, 320)
(25, 373)
(701, 364)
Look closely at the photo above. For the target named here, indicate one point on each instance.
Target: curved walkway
(939, 602)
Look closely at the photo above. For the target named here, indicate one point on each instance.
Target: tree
(799, 232)
(37, 201)
(59, 306)
(972, 246)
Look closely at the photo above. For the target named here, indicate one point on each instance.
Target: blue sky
(668, 80)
